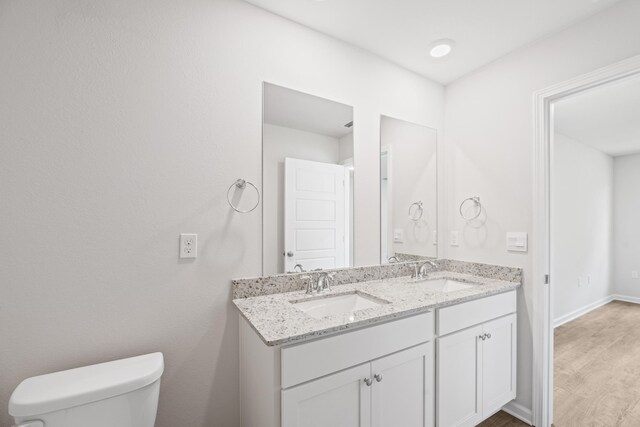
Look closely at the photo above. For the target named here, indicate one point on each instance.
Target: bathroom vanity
(399, 351)
(415, 341)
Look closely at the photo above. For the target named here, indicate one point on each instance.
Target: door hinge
(546, 279)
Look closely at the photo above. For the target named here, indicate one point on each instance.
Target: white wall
(582, 224)
(122, 124)
(489, 131)
(346, 147)
(626, 225)
(279, 143)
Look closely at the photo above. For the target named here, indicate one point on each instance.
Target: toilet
(122, 393)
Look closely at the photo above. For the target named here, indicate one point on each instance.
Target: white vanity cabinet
(391, 391)
(378, 376)
(476, 359)
(452, 367)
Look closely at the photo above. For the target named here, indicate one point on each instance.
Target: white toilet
(122, 393)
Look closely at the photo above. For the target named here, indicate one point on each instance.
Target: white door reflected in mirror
(314, 215)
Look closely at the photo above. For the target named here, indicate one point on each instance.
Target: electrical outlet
(188, 245)
(634, 275)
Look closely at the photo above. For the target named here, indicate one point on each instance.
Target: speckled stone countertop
(279, 322)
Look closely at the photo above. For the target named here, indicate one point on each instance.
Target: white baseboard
(625, 298)
(520, 412)
(582, 311)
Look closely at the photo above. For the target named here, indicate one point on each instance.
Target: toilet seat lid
(66, 389)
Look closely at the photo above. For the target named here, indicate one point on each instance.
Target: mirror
(307, 167)
(408, 191)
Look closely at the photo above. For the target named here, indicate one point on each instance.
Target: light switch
(634, 274)
(398, 235)
(517, 242)
(455, 238)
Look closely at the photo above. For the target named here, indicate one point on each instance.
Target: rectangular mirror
(408, 191)
(307, 168)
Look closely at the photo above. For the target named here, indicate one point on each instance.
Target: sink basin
(339, 304)
(444, 285)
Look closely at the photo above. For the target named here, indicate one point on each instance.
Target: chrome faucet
(393, 259)
(321, 284)
(324, 281)
(298, 268)
(422, 272)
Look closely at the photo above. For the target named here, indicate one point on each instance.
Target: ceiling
(606, 118)
(402, 31)
(298, 110)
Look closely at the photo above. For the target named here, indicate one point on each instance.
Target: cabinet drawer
(460, 316)
(306, 361)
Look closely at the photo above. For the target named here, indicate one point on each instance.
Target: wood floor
(596, 371)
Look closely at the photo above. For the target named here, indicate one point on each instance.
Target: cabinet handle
(488, 335)
(378, 377)
(482, 337)
(368, 382)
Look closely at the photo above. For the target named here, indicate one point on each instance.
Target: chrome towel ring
(477, 204)
(415, 214)
(242, 184)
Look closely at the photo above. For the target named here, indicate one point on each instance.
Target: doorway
(547, 272)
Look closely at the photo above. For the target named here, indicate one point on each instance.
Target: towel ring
(478, 205)
(242, 184)
(416, 214)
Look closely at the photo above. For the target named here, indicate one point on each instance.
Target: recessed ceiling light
(441, 48)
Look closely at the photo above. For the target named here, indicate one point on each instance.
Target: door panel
(459, 379)
(404, 395)
(314, 215)
(499, 368)
(338, 400)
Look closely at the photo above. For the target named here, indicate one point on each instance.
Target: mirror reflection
(307, 182)
(408, 191)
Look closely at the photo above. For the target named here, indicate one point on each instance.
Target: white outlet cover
(634, 275)
(398, 235)
(188, 245)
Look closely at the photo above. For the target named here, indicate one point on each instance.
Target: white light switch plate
(455, 237)
(517, 242)
(188, 245)
(398, 235)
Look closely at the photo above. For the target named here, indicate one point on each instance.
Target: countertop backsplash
(268, 285)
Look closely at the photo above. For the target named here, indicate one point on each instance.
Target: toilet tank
(121, 393)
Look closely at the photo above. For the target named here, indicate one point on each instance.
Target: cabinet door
(499, 363)
(459, 379)
(403, 388)
(338, 400)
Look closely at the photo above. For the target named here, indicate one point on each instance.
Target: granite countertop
(279, 322)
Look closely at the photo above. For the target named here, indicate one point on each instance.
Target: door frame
(542, 296)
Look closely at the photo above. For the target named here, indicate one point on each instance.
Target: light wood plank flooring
(596, 371)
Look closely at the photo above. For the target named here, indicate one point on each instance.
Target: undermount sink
(444, 285)
(339, 304)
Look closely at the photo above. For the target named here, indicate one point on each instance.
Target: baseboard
(582, 311)
(625, 298)
(520, 412)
